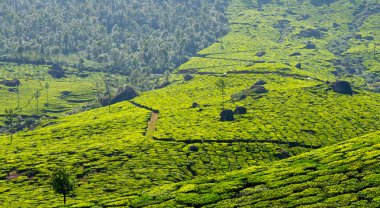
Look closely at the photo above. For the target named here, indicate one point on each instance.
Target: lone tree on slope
(62, 182)
(10, 116)
(221, 84)
(47, 92)
(37, 96)
(18, 96)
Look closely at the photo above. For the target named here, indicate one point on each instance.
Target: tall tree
(47, 92)
(221, 84)
(10, 117)
(20, 51)
(37, 96)
(166, 76)
(107, 81)
(18, 96)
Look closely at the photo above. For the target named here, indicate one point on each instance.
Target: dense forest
(121, 35)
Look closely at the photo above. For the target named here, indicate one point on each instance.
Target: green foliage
(61, 96)
(307, 180)
(181, 156)
(62, 182)
(10, 116)
(122, 36)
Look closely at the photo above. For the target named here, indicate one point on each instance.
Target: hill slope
(160, 138)
(345, 174)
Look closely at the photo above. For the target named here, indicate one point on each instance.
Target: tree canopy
(62, 182)
(122, 35)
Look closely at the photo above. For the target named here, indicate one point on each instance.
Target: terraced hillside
(300, 111)
(342, 175)
(60, 95)
(174, 134)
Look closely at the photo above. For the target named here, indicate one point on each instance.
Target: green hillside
(300, 143)
(61, 96)
(341, 175)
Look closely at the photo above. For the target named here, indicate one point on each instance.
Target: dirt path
(152, 125)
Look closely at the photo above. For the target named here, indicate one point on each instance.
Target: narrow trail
(151, 125)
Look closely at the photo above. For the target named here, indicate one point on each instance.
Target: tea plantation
(341, 175)
(56, 96)
(295, 140)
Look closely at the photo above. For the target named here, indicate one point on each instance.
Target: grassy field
(299, 144)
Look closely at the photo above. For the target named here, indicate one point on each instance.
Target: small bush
(188, 77)
(227, 115)
(57, 71)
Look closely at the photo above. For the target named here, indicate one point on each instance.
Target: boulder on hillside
(342, 87)
(227, 115)
(123, 94)
(11, 83)
(258, 89)
(242, 97)
(193, 148)
(261, 53)
(240, 110)
(299, 66)
(295, 54)
(57, 71)
(195, 105)
(310, 45)
(188, 77)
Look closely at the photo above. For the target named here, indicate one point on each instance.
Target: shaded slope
(343, 45)
(345, 174)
